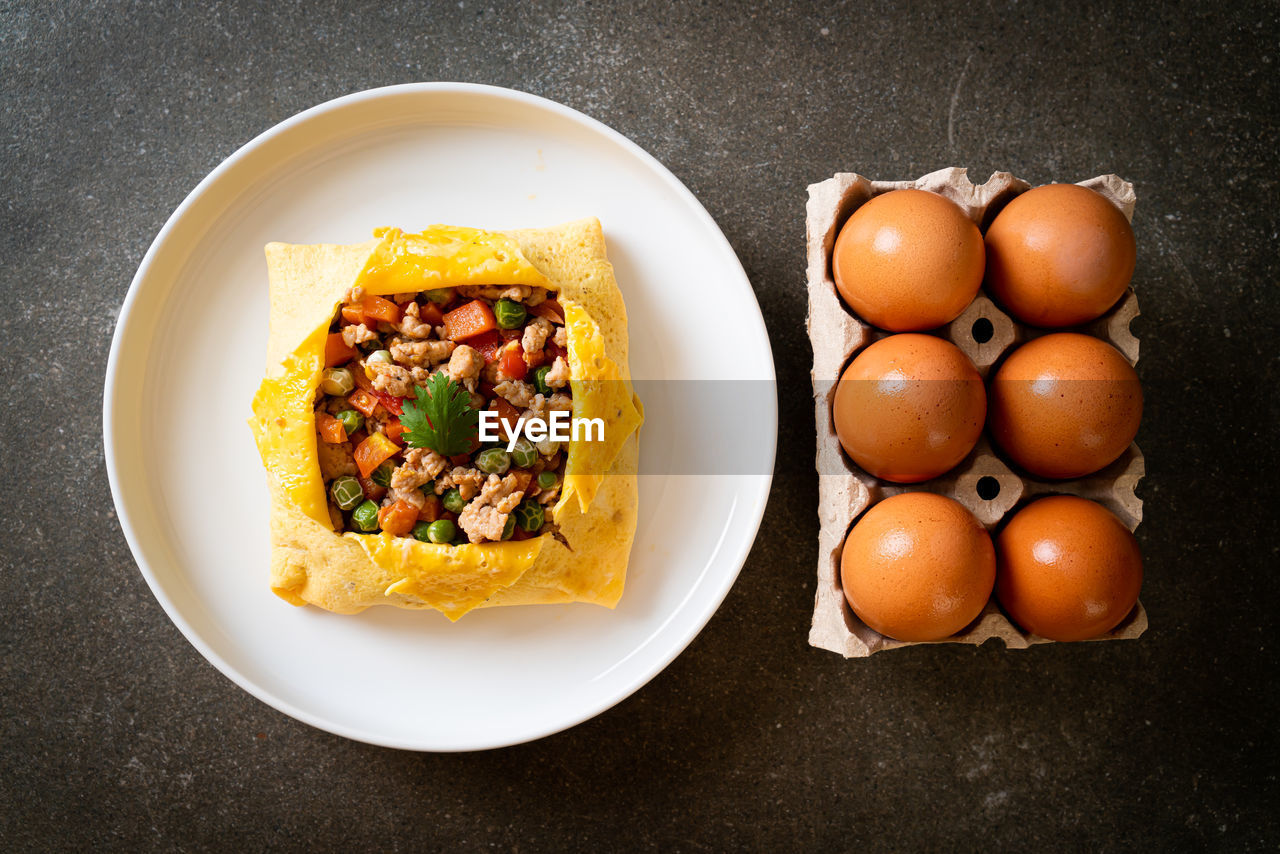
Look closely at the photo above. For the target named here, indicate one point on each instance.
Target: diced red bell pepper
(512, 363)
(336, 351)
(507, 414)
(489, 344)
(398, 518)
(394, 405)
(554, 350)
(353, 313)
(520, 534)
(373, 451)
(469, 320)
(331, 429)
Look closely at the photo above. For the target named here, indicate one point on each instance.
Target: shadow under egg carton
(984, 483)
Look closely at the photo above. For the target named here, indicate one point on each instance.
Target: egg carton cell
(986, 483)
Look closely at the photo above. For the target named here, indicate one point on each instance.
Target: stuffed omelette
(381, 359)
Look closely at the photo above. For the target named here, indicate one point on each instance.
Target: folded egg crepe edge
(597, 510)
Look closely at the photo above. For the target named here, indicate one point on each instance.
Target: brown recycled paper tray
(845, 491)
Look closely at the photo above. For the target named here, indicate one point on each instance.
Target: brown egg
(917, 567)
(1065, 405)
(909, 407)
(1068, 569)
(1059, 255)
(908, 260)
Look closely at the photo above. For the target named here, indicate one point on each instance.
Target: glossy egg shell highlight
(908, 260)
(909, 407)
(1068, 569)
(918, 567)
(1059, 255)
(1065, 405)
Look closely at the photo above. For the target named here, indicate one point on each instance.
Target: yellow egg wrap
(311, 563)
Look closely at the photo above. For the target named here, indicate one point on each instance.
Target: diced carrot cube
(373, 451)
(331, 429)
(398, 518)
(363, 401)
(469, 320)
(377, 308)
(336, 351)
(395, 430)
(430, 510)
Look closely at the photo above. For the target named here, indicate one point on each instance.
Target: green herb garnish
(439, 416)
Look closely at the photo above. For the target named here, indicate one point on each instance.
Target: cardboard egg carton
(983, 482)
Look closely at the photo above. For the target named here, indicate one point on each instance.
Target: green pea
(524, 454)
(442, 531)
(422, 532)
(530, 515)
(453, 501)
(382, 474)
(337, 381)
(439, 296)
(509, 314)
(547, 480)
(540, 380)
(351, 420)
(429, 488)
(365, 517)
(346, 492)
(509, 527)
(493, 461)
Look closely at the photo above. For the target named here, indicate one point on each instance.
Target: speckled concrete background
(115, 732)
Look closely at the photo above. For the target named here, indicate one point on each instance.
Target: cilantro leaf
(439, 417)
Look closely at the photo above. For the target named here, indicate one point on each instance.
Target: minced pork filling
(405, 379)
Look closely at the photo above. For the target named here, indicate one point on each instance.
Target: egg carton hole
(988, 487)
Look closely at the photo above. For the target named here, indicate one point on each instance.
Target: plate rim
(762, 489)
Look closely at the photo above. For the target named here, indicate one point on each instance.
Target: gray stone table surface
(115, 732)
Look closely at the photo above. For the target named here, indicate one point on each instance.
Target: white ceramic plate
(188, 354)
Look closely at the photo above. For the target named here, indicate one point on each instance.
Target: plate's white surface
(188, 355)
